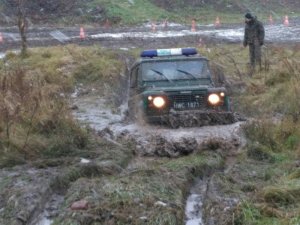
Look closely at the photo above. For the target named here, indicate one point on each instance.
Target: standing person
(254, 37)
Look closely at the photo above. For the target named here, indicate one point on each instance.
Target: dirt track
(144, 36)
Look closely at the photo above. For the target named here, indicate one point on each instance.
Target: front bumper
(193, 118)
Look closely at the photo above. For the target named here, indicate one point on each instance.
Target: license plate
(186, 105)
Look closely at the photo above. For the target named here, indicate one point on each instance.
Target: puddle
(95, 112)
(194, 203)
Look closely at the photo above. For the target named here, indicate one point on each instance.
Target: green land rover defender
(175, 87)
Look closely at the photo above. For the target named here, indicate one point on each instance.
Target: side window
(133, 77)
(205, 70)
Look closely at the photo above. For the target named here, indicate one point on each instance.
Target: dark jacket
(254, 33)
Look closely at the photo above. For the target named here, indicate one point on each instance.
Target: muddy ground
(40, 193)
(45, 191)
(145, 36)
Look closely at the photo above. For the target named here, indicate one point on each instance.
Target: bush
(259, 152)
(281, 196)
(263, 132)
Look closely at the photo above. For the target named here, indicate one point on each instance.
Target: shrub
(263, 132)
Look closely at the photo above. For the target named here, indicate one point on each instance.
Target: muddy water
(194, 203)
(95, 112)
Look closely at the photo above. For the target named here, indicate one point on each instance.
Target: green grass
(120, 12)
(270, 98)
(35, 119)
(123, 12)
(279, 204)
(280, 139)
(140, 12)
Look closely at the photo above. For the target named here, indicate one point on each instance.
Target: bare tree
(22, 25)
(18, 9)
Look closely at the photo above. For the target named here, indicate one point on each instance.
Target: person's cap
(248, 15)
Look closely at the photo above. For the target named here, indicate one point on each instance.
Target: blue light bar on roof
(168, 52)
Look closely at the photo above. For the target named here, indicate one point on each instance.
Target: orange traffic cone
(82, 34)
(193, 29)
(217, 22)
(271, 20)
(153, 26)
(1, 38)
(286, 21)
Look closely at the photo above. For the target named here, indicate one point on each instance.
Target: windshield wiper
(161, 74)
(187, 73)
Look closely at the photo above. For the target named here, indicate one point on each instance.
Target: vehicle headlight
(214, 99)
(159, 102)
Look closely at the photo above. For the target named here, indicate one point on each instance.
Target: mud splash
(149, 140)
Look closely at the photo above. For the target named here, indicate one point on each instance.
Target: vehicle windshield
(175, 70)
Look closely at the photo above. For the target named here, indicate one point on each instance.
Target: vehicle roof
(167, 58)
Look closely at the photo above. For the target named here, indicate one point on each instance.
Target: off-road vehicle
(175, 86)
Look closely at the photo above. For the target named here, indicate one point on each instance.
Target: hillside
(120, 12)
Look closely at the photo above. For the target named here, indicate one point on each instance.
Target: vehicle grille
(180, 101)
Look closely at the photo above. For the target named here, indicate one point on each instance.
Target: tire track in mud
(28, 190)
